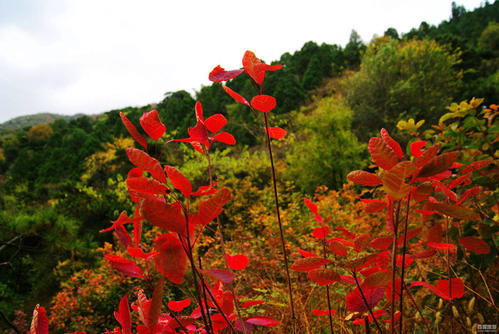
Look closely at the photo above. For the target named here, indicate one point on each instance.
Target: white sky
(91, 56)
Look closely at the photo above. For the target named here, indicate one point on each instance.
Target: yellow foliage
(410, 125)
(40, 132)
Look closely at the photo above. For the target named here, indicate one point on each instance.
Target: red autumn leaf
(381, 243)
(152, 125)
(218, 74)
(362, 321)
(363, 178)
(398, 287)
(178, 180)
(362, 262)
(373, 205)
(155, 305)
(476, 165)
(460, 180)
(237, 262)
(123, 236)
(355, 302)
(368, 271)
(383, 259)
(210, 208)
(438, 164)
(172, 260)
(308, 264)
(235, 95)
(323, 312)
(394, 181)
(138, 252)
(441, 246)
(442, 188)
(123, 317)
(205, 190)
(416, 148)
(276, 132)
(252, 303)
(422, 191)
(475, 245)
(221, 275)
(323, 276)
(424, 254)
(215, 123)
(40, 322)
(454, 211)
(125, 266)
(145, 162)
(469, 193)
(177, 306)
(122, 219)
(435, 233)
(145, 185)
(360, 243)
(427, 156)
(442, 288)
(346, 233)
(337, 248)
(255, 68)
(224, 137)
(407, 260)
(306, 254)
(392, 143)
(381, 153)
(133, 131)
(263, 321)
(137, 226)
(410, 234)
(320, 232)
(166, 216)
(312, 207)
(389, 214)
(263, 103)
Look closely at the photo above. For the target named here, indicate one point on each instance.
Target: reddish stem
(394, 262)
(365, 302)
(401, 305)
(327, 286)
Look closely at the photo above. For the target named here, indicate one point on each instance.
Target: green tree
(401, 80)
(177, 109)
(353, 50)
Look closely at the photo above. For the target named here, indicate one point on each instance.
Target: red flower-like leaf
(323, 276)
(427, 155)
(308, 264)
(210, 208)
(313, 207)
(416, 148)
(220, 274)
(145, 162)
(152, 125)
(218, 74)
(381, 243)
(133, 131)
(476, 165)
(179, 181)
(177, 306)
(438, 164)
(237, 262)
(255, 68)
(360, 243)
(373, 205)
(252, 303)
(304, 253)
(355, 302)
(442, 288)
(225, 137)
(263, 321)
(215, 123)
(40, 322)
(363, 178)
(323, 312)
(320, 232)
(164, 215)
(475, 245)
(263, 103)
(125, 266)
(381, 153)
(235, 95)
(337, 248)
(172, 260)
(145, 185)
(392, 143)
(123, 317)
(469, 193)
(276, 132)
(138, 252)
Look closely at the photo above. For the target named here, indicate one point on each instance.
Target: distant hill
(30, 120)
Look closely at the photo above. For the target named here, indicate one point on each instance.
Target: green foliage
(414, 79)
(177, 108)
(324, 146)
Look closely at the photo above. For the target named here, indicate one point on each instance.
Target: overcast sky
(89, 56)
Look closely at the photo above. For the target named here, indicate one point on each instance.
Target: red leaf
(363, 178)
(460, 180)
(389, 214)
(172, 260)
(263, 321)
(442, 188)
(152, 125)
(476, 165)
(210, 208)
(362, 321)
(124, 316)
(442, 288)
(439, 164)
(312, 207)
(373, 205)
(394, 181)
(323, 276)
(454, 211)
(133, 131)
(145, 185)
(255, 68)
(235, 95)
(215, 123)
(39, 323)
(142, 160)
(166, 216)
(225, 137)
(416, 148)
(475, 245)
(422, 191)
(308, 264)
(125, 266)
(469, 193)
(155, 304)
(355, 303)
(138, 252)
(392, 143)
(276, 132)
(180, 305)
(320, 232)
(198, 108)
(381, 243)
(424, 254)
(441, 246)
(263, 103)
(252, 303)
(337, 248)
(427, 155)
(221, 275)
(381, 153)
(435, 233)
(306, 254)
(360, 243)
(398, 284)
(178, 180)
(323, 312)
(408, 260)
(410, 234)
(346, 233)
(218, 74)
(237, 262)
(137, 226)
(362, 262)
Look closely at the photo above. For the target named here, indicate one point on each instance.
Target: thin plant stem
(327, 286)
(204, 297)
(222, 246)
(218, 307)
(448, 271)
(394, 261)
(365, 302)
(417, 308)
(278, 214)
(401, 305)
(366, 323)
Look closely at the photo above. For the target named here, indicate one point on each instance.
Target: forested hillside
(64, 180)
